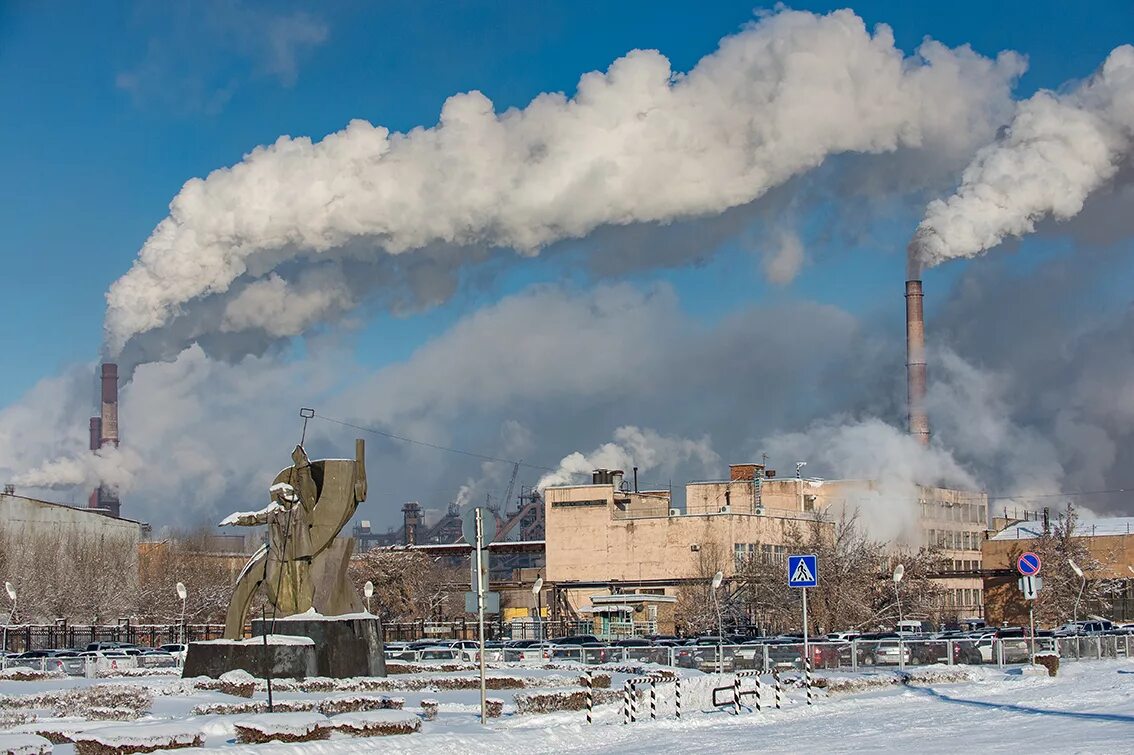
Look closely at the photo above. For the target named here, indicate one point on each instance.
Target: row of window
(953, 540)
(955, 512)
(767, 554)
(965, 565)
(962, 597)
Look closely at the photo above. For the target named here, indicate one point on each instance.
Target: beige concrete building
(602, 537)
(19, 514)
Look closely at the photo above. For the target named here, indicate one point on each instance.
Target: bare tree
(855, 589)
(190, 558)
(410, 585)
(1058, 546)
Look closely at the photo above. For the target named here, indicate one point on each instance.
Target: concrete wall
(20, 514)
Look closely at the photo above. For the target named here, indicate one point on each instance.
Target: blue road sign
(803, 571)
(1028, 564)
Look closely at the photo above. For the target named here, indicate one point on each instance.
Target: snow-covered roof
(1031, 529)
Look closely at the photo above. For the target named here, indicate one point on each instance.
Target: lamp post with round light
(899, 572)
(368, 591)
(537, 588)
(183, 594)
(717, 579)
(11, 596)
(1079, 573)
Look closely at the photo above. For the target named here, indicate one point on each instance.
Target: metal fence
(26, 637)
(857, 655)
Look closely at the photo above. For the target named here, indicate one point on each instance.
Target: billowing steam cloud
(275, 243)
(1058, 149)
(633, 447)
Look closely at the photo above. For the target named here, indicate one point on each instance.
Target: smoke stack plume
(915, 362)
(109, 405)
(96, 433)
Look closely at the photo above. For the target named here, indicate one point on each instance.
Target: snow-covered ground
(1089, 707)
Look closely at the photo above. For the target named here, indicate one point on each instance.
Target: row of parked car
(836, 650)
(73, 660)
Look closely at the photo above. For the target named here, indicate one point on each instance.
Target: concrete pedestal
(285, 657)
(345, 646)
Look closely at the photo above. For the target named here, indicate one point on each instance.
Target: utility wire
(1063, 494)
(426, 444)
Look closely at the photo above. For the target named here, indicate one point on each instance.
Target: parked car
(535, 652)
(1078, 628)
(176, 649)
(110, 645)
(467, 650)
(493, 652)
(438, 654)
(574, 639)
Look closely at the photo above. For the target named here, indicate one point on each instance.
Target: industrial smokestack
(96, 433)
(915, 362)
(109, 405)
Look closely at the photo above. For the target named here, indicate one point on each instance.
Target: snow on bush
(258, 706)
(10, 718)
(599, 681)
(353, 703)
(852, 684)
(282, 727)
(401, 667)
(429, 708)
(119, 740)
(115, 673)
(375, 723)
(942, 674)
(493, 707)
(546, 702)
(102, 701)
(237, 683)
(24, 744)
(1049, 661)
(25, 674)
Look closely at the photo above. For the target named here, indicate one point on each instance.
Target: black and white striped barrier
(778, 687)
(677, 698)
(738, 691)
(630, 696)
(807, 678)
(589, 680)
(626, 703)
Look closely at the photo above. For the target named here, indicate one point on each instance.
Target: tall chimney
(915, 362)
(109, 404)
(96, 433)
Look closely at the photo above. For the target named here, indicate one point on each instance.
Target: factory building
(605, 537)
(19, 514)
(1109, 543)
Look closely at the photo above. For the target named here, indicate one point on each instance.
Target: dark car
(574, 639)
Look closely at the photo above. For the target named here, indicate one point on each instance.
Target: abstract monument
(303, 571)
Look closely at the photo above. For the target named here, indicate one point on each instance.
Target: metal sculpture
(304, 564)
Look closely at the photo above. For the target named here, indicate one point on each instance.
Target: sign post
(1029, 564)
(803, 572)
(478, 529)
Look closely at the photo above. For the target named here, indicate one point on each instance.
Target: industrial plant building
(605, 537)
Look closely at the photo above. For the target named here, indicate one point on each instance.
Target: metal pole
(539, 615)
(736, 695)
(653, 698)
(779, 687)
(1082, 587)
(1032, 621)
(626, 702)
(806, 646)
(677, 692)
(480, 609)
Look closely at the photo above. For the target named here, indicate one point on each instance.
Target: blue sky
(109, 108)
(90, 166)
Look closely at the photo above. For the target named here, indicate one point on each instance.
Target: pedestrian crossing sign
(803, 571)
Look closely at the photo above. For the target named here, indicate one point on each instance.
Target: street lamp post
(717, 579)
(368, 591)
(1078, 572)
(899, 572)
(537, 592)
(11, 596)
(183, 594)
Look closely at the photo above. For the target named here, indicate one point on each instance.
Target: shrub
(136, 738)
(429, 709)
(494, 707)
(24, 744)
(377, 723)
(1049, 661)
(282, 727)
(25, 674)
(546, 702)
(332, 706)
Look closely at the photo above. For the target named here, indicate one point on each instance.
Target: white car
(437, 654)
(177, 650)
(467, 650)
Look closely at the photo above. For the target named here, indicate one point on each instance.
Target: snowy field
(1089, 707)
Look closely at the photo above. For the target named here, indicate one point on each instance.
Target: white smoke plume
(639, 143)
(1058, 149)
(633, 447)
(113, 467)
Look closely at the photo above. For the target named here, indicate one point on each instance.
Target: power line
(1063, 494)
(426, 444)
